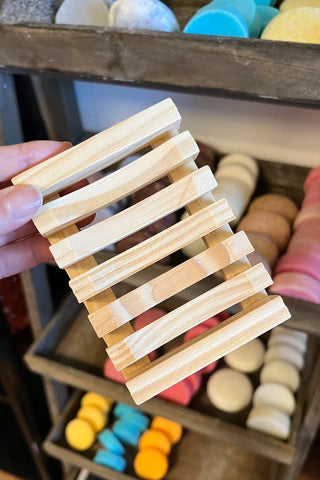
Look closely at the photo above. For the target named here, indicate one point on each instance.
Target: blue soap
(265, 2)
(247, 8)
(266, 14)
(110, 459)
(226, 22)
(137, 418)
(110, 441)
(128, 433)
(122, 409)
(256, 27)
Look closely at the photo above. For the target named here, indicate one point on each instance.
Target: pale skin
(21, 247)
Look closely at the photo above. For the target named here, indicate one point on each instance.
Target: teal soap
(110, 460)
(218, 21)
(128, 433)
(122, 409)
(265, 2)
(137, 418)
(108, 439)
(266, 14)
(247, 8)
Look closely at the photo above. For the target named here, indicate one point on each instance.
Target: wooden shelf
(191, 459)
(268, 71)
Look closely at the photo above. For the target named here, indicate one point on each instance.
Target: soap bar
(95, 400)
(155, 439)
(264, 245)
(127, 433)
(172, 429)
(248, 358)
(138, 419)
(79, 434)
(110, 460)
(306, 214)
(296, 285)
(282, 351)
(95, 417)
(218, 21)
(270, 421)
(287, 5)
(299, 262)
(265, 2)
(295, 339)
(247, 8)
(83, 12)
(108, 439)
(279, 371)
(273, 202)
(151, 464)
(296, 25)
(276, 396)
(266, 14)
(142, 15)
(229, 391)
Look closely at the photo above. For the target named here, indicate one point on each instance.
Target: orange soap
(151, 464)
(155, 439)
(79, 434)
(170, 428)
(94, 416)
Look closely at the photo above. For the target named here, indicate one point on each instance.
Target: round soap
(111, 373)
(142, 15)
(264, 245)
(297, 25)
(79, 434)
(96, 417)
(83, 12)
(137, 418)
(287, 5)
(269, 223)
(266, 14)
(92, 399)
(180, 393)
(229, 391)
(247, 8)
(240, 159)
(148, 317)
(108, 439)
(127, 433)
(248, 358)
(236, 192)
(275, 396)
(312, 178)
(282, 351)
(270, 421)
(273, 202)
(224, 21)
(195, 380)
(172, 429)
(155, 439)
(301, 262)
(310, 246)
(122, 409)
(151, 464)
(296, 285)
(311, 212)
(282, 335)
(236, 172)
(312, 197)
(110, 460)
(279, 371)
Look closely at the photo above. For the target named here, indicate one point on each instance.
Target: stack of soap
(112, 453)
(274, 401)
(83, 12)
(129, 425)
(151, 461)
(268, 226)
(298, 271)
(229, 390)
(91, 418)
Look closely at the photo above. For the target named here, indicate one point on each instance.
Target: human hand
(21, 247)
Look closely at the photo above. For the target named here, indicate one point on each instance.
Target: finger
(20, 256)
(16, 158)
(18, 204)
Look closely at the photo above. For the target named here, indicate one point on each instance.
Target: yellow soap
(297, 25)
(95, 417)
(92, 399)
(290, 4)
(79, 434)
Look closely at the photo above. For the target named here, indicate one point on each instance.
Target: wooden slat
(102, 150)
(150, 251)
(123, 182)
(178, 278)
(208, 347)
(144, 213)
(179, 321)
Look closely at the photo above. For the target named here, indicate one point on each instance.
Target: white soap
(83, 12)
(143, 15)
(282, 351)
(279, 371)
(248, 358)
(236, 193)
(229, 391)
(276, 396)
(194, 248)
(241, 159)
(269, 421)
(237, 172)
(293, 338)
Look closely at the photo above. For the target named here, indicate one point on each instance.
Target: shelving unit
(278, 72)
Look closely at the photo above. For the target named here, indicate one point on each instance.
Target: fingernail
(21, 201)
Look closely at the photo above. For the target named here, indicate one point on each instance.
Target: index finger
(16, 158)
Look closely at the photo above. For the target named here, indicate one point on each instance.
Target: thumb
(18, 204)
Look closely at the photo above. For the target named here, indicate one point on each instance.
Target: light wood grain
(205, 349)
(164, 286)
(123, 182)
(144, 213)
(179, 321)
(150, 251)
(102, 150)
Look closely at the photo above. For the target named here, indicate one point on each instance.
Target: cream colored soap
(281, 372)
(276, 396)
(248, 358)
(297, 25)
(287, 5)
(229, 390)
(270, 421)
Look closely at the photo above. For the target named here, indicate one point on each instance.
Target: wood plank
(102, 150)
(212, 345)
(247, 67)
(147, 211)
(177, 322)
(79, 204)
(150, 251)
(173, 281)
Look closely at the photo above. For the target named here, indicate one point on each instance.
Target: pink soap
(312, 196)
(299, 245)
(311, 212)
(195, 380)
(296, 285)
(299, 262)
(198, 330)
(223, 316)
(111, 373)
(194, 332)
(310, 229)
(313, 176)
(214, 321)
(180, 393)
(148, 317)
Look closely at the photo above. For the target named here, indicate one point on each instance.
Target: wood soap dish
(171, 154)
